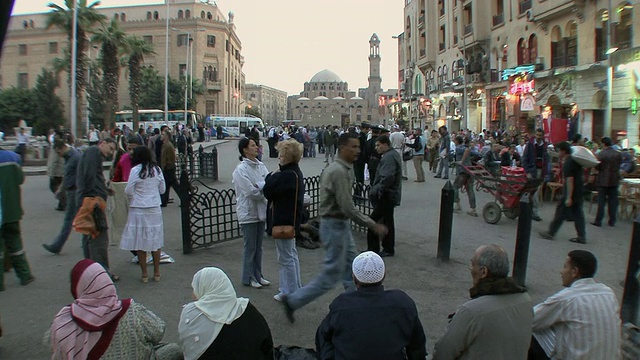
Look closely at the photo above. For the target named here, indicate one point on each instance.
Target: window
(622, 32)
(602, 27)
(202, 15)
(227, 45)
(211, 41)
(123, 17)
(523, 52)
(148, 39)
(22, 49)
(441, 7)
(149, 16)
(533, 48)
(524, 6)
(23, 80)
(187, 14)
(182, 70)
(156, 16)
(209, 16)
(180, 14)
(53, 48)
(498, 14)
(182, 39)
(116, 16)
(441, 38)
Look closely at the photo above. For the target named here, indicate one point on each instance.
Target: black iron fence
(198, 164)
(209, 215)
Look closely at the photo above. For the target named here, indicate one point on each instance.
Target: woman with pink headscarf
(99, 325)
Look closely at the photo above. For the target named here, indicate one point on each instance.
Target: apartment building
(521, 62)
(216, 50)
(272, 103)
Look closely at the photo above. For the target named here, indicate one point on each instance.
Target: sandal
(145, 279)
(156, 278)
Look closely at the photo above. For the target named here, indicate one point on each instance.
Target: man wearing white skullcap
(371, 323)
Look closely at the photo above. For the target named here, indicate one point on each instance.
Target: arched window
(418, 85)
(533, 48)
(454, 69)
(572, 44)
(408, 30)
(209, 16)
(123, 17)
(180, 14)
(523, 52)
(623, 30)
(149, 15)
(445, 73)
(156, 16)
(187, 14)
(557, 47)
(116, 16)
(202, 15)
(602, 27)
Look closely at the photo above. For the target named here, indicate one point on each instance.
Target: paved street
(436, 287)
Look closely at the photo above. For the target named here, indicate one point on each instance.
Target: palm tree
(112, 39)
(88, 17)
(137, 49)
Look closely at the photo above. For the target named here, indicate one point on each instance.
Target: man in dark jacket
(444, 152)
(371, 322)
(371, 156)
(385, 195)
(607, 181)
(535, 161)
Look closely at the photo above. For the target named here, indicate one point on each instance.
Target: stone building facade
(217, 51)
(272, 103)
(520, 60)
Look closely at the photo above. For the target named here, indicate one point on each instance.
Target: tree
(112, 39)
(88, 17)
(96, 98)
(48, 111)
(250, 110)
(15, 103)
(152, 91)
(136, 48)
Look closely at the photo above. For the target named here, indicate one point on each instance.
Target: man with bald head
(496, 323)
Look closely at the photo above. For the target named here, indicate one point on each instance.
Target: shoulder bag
(286, 231)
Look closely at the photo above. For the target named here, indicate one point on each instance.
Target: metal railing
(468, 29)
(199, 164)
(209, 215)
(498, 19)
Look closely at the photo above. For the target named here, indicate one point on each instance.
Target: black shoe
(288, 310)
(536, 218)
(163, 205)
(27, 281)
(437, 177)
(405, 178)
(596, 224)
(578, 240)
(612, 224)
(545, 235)
(59, 208)
(385, 254)
(49, 248)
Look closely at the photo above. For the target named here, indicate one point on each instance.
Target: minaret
(375, 81)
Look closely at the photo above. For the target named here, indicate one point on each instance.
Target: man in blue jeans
(336, 209)
(71, 159)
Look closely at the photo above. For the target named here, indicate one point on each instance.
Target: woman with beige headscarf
(219, 325)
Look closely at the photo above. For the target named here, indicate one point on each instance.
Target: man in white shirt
(520, 147)
(581, 321)
(397, 143)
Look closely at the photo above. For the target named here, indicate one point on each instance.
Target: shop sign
(522, 86)
(527, 103)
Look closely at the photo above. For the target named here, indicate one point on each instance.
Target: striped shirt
(579, 322)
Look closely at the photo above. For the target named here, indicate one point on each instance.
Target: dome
(320, 98)
(325, 76)
(303, 98)
(356, 98)
(338, 98)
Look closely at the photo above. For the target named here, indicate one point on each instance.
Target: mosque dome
(356, 98)
(325, 76)
(303, 98)
(338, 98)
(320, 98)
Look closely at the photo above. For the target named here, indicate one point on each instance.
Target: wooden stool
(554, 187)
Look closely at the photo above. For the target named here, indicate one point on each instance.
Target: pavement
(437, 287)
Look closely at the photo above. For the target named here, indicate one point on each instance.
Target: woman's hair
(142, 155)
(290, 150)
(243, 144)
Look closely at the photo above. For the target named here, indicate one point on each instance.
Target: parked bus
(234, 125)
(155, 118)
(177, 116)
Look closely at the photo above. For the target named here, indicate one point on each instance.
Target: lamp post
(188, 69)
(74, 70)
(166, 70)
(610, 50)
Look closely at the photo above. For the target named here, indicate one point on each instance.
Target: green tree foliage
(88, 17)
(152, 91)
(96, 99)
(16, 103)
(112, 39)
(252, 111)
(48, 109)
(136, 48)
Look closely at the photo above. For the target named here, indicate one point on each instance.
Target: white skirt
(144, 230)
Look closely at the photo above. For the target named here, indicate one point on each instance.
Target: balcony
(524, 6)
(495, 75)
(468, 29)
(423, 53)
(498, 19)
(441, 47)
(213, 85)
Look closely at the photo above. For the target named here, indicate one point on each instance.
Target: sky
(285, 42)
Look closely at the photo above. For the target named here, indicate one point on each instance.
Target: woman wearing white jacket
(248, 180)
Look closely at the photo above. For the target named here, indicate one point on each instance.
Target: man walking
(336, 208)
(607, 181)
(71, 159)
(419, 144)
(444, 152)
(463, 158)
(570, 206)
(11, 177)
(385, 194)
(397, 143)
(329, 143)
(432, 146)
(535, 161)
(90, 182)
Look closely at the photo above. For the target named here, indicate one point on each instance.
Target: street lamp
(188, 73)
(608, 119)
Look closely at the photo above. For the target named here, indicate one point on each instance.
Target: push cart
(507, 188)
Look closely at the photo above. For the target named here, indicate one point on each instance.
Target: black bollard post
(184, 192)
(631, 296)
(201, 163)
(523, 237)
(214, 162)
(446, 222)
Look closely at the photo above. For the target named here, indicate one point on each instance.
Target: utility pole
(74, 71)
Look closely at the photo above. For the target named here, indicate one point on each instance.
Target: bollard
(446, 222)
(202, 173)
(214, 162)
(523, 237)
(184, 192)
(631, 296)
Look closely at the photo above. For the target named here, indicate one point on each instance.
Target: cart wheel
(512, 213)
(492, 213)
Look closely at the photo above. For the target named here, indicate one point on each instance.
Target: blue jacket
(529, 159)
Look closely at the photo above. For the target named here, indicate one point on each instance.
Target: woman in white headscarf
(219, 325)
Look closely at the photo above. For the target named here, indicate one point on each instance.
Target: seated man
(581, 321)
(371, 323)
(494, 324)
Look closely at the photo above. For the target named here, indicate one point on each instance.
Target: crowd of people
(366, 321)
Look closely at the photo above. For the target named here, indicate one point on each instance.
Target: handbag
(407, 155)
(286, 231)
